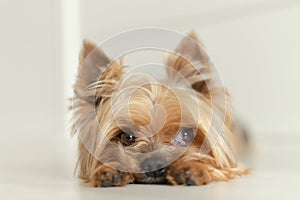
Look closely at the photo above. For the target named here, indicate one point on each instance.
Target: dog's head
(144, 125)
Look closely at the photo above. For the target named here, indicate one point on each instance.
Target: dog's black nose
(154, 167)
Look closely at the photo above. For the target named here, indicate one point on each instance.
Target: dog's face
(153, 126)
(144, 126)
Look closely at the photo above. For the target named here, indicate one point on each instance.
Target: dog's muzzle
(154, 167)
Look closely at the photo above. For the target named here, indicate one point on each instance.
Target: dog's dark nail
(106, 183)
(179, 179)
(116, 178)
(190, 181)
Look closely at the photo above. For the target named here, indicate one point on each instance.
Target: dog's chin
(142, 178)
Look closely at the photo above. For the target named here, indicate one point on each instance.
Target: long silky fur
(91, 105)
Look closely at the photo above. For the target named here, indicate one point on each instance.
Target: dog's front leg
(108, 176)
(187, 173)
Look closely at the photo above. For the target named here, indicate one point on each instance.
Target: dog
(135, 128)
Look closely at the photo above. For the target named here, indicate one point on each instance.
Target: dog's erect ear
(93, 62)
(191, 61)
(191, 49)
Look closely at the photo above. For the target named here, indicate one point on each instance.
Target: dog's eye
(184, 136)
(127, 138)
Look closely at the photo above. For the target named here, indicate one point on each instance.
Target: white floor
(49, 175)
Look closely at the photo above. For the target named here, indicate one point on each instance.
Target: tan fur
(103, 160)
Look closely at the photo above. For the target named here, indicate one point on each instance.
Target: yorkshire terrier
(136, 128)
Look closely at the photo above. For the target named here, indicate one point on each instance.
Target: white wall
(30, 75)
(259, 60)
(32, 103)
(254, 44)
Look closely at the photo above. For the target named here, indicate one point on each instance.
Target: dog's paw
(190, 173)
(109, 177)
